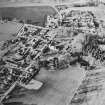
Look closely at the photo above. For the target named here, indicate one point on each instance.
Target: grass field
(58, 88)
(8, 29)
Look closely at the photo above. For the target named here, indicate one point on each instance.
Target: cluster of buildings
(80, 24)
(23, 57)
(80, 20)
(56, 47)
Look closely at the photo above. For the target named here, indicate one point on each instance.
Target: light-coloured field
(58, 89)
(6, 3)
(8, 29)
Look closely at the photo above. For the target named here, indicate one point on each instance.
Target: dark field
(37, 14)
(8, 29)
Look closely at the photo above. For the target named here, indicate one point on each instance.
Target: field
(8, 29)
(58, 88)
(36, 14)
